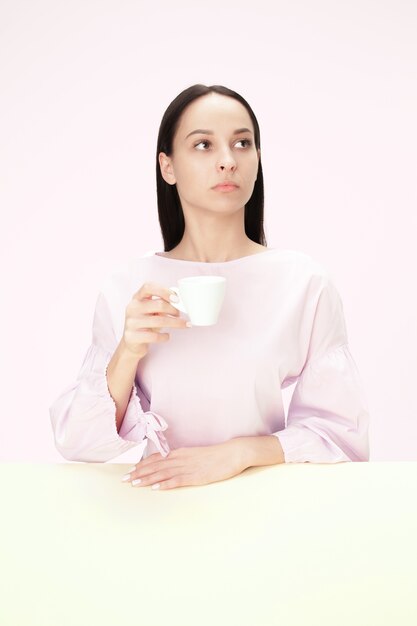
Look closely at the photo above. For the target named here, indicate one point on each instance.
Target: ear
(167, 171)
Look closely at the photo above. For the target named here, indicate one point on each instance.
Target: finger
(157, 477)
(138, 472)
(148, 471)
(156, 456)
(152, 289)
(151, 307)
(172, 483)
(157, 306)
(149, 459)
(144, 335)
(147, 322)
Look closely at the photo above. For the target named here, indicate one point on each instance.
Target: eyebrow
(202, 131)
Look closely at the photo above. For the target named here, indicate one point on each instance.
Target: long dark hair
(171, 216)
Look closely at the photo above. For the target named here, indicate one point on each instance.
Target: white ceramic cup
(201, 298)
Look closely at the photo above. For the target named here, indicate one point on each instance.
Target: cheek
(190, 179)
(192, 173)
(182, 173)
(248, 160)
(251, 168)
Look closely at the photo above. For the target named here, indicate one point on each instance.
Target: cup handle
(178, 305)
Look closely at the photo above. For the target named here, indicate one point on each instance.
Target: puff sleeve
(328, 417)
(83, 417)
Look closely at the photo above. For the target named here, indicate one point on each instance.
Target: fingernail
(136, 481)
(188, 324)
(174, 298)
(155, 486)
(132, 469)
(126, 477)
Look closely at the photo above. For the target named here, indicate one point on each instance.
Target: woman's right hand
(145, 317)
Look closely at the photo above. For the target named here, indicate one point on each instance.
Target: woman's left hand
(189, 466)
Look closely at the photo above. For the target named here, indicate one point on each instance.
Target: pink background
(83, 88)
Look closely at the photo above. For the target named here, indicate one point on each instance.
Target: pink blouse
(282, 322)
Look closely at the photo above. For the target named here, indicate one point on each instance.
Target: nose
(226, 161)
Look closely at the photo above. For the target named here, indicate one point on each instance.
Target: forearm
(121, 373)
(261, 450)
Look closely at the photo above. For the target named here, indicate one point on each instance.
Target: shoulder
(299, 264)
(122, 279)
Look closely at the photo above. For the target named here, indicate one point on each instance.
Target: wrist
(126, 354)
(260, 450)
(123, 364)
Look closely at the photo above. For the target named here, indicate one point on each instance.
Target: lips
(226, 186)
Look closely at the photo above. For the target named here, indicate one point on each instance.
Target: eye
(205, 141)
(200, 142)
(248, 141)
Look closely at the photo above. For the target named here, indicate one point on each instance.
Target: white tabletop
(286, 545)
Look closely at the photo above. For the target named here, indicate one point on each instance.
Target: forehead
(214, 112)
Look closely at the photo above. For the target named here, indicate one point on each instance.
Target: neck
(214, 240)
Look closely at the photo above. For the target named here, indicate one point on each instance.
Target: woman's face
(214, 153)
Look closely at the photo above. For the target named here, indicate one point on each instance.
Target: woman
(203, 403)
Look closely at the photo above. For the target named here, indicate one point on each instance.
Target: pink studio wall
(84, 85)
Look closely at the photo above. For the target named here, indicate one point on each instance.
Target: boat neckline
(232, 261)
